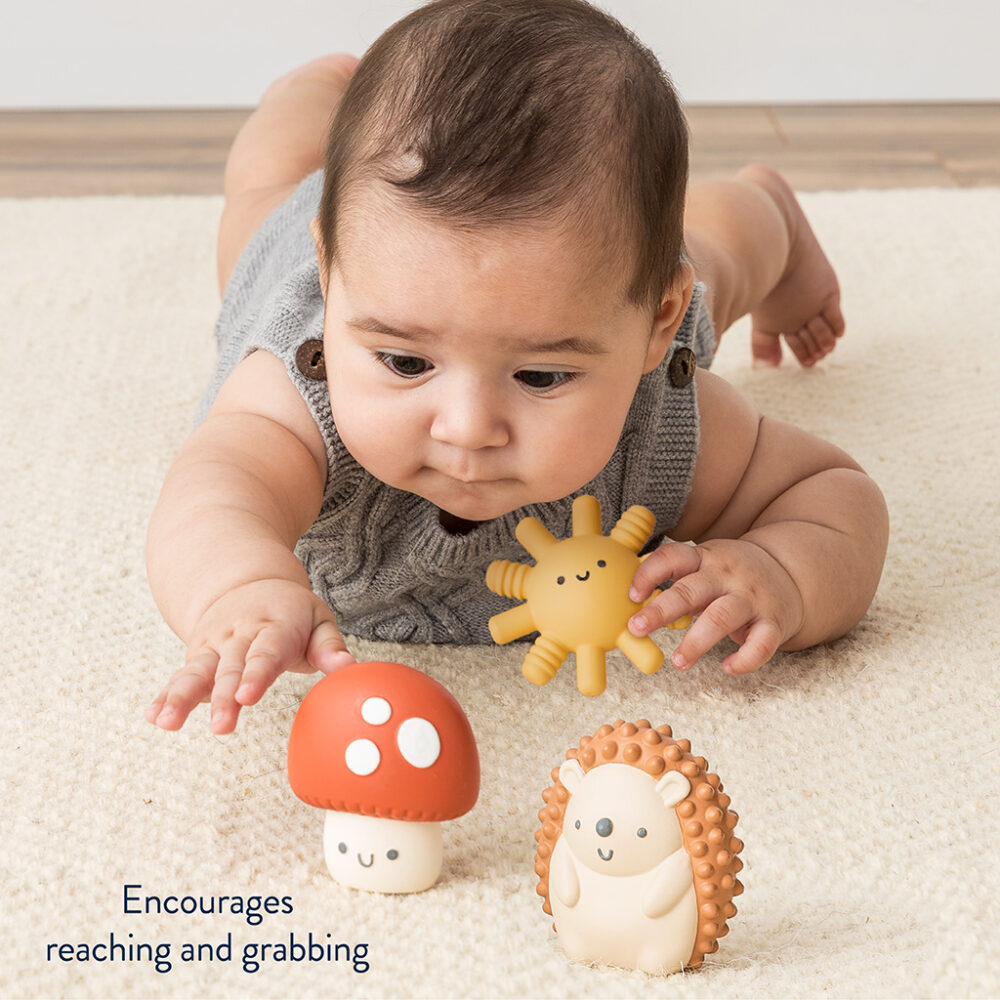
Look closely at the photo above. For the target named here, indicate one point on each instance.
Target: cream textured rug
(866, 774)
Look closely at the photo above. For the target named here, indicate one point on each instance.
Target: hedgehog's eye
(577, 824)
(641, 832)
(601, 563)
(392, 854)
(342, 847)
(561, 580)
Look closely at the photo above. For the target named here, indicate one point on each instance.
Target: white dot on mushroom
(362, 757)
(418, 742)
(376, 711)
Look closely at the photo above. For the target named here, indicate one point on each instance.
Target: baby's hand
(242, 643)
(735, 587)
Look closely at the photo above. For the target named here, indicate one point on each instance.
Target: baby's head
(490, 112)
(511, 172)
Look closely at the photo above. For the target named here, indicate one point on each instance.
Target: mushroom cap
(383, 739)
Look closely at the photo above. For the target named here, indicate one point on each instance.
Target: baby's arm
(791, 539)
(245, 485)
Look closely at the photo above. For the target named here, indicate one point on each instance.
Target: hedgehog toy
(636, 858)
(576, 595)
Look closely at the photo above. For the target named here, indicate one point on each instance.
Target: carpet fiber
(866, 773)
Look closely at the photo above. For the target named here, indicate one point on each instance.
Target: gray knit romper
(379, 556)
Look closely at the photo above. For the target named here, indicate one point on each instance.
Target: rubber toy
(389, 753)
(576, 596)
(637, 861)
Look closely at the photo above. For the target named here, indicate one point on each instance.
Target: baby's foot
(804, 306)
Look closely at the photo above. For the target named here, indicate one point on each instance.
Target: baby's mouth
(584, 578)
(371, 861)
(603, 856)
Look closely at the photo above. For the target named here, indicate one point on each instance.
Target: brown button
(309, 360)
(682, 367)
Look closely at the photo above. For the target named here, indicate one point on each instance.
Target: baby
(496, 292)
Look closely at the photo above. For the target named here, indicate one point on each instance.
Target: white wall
(145, 53)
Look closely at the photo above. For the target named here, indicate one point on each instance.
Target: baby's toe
(802, 346)
(834, 316)
(766, 349)
(823, 335)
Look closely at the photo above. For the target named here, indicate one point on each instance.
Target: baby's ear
(670, 315)
(324, 267)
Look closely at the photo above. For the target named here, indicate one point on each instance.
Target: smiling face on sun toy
(576, 595)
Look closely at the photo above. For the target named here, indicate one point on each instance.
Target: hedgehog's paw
(652, 961)
(574, 945)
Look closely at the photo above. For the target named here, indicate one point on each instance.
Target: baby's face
(482, 371)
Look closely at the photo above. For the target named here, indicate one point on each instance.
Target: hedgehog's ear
(673, 787)
(571, 775)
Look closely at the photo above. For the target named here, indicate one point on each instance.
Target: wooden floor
(818, 147)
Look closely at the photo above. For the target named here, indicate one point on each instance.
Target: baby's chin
(479, 510)
(479, 502)
(472, 513)
(475, 502)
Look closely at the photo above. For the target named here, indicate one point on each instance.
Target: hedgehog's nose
(604, 827)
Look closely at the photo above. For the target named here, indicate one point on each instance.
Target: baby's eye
(541, 381)
(404, 365)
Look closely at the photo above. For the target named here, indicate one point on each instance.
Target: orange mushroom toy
(389, 753)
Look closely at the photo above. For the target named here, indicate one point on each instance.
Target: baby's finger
(275, 649)
(156, 706)
(761, 643)
(327, 650)
(687, 596)
(670, 561)
(190, 686)
(718, 620)
(225, 708)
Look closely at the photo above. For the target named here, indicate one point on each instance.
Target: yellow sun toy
(576, 595)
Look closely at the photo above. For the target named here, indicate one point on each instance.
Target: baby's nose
(467, 417)
(604, 827)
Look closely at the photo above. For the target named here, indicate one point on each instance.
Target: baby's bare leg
(750, 241)
(283, 141)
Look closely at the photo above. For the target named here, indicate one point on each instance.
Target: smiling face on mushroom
(390, 754)
(382, 855)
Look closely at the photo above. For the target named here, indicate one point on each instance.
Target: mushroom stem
(382, 855)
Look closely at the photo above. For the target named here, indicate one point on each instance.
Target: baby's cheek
(574, 453)
(368, 424)
(376, 446)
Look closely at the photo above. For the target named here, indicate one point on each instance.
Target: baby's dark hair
(493, 112)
